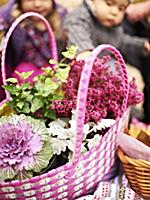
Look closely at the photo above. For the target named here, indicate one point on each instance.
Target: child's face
(110, 12)
(43, 7)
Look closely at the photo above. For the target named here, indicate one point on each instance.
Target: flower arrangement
(105, 93)
(43, 122)
(35, 98)
(62, 134)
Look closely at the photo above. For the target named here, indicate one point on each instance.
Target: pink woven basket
(84, 172)
(53, 47)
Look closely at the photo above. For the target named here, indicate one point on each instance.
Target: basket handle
(53, 46)
(83, 89)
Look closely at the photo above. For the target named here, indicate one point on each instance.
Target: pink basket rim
(83, 90)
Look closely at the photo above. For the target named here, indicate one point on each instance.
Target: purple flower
(23, 143)
(105, 92)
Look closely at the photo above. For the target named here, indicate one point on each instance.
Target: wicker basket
(138, 174)
(85, 171)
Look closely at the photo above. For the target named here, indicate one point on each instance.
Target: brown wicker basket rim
(128, 160)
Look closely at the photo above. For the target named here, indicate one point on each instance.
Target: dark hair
(19, 3)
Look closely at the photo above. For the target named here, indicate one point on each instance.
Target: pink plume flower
(105, 93)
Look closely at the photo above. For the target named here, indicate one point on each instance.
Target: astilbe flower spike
(24, 147)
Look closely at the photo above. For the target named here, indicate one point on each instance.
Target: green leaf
(71, 52)
(42, 158)
(48, 89)
(48, 81)
(7, 173)
(25, 86)
(12, 80)
(25, 109)
(37, 103)
(24, 75)
(62, 74)
(23, 175)
(48, 71)
(26, 95)
(41, 78)
(63, 65)
(56, 97)
(20, 105)
(12, 89)
(50, 114)
(53, 62)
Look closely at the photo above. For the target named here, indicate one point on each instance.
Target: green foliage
(70, 52)
(35, 98)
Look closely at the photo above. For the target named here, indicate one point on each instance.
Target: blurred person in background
(137, 23)
(98, 22)
(29, 46)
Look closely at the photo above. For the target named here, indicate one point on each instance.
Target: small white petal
(94, 141)
(58, 145)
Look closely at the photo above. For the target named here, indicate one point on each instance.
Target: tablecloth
(115, 189)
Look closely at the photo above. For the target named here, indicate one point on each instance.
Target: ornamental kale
(24, 147)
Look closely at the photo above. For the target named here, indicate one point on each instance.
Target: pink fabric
(26, 67)
(23, 67)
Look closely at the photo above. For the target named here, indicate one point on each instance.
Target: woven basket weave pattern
(85, 171)
(138, 174)
(67, 182)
